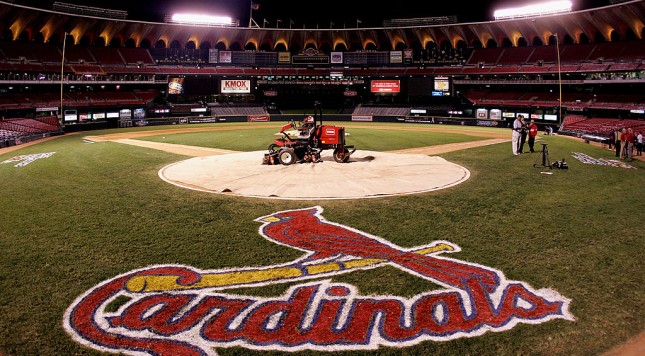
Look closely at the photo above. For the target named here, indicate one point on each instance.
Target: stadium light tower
(200, 19)
(557, 49)
(62, 67)
(547, 8)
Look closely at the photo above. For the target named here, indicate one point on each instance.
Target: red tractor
(305, 142)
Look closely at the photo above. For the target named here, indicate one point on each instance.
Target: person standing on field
(623, 143)
(630, 138)
(617, 141)
(517, 129)
(523, 135)
(533, 130)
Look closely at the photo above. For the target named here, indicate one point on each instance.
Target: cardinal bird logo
(168, 310)
(306, 230)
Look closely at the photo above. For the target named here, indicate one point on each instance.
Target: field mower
(305, 142)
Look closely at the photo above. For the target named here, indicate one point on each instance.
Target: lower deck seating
(601, 126)
(11, 128)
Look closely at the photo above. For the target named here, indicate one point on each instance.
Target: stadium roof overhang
(610, 23)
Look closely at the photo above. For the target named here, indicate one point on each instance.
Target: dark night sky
(311, 13)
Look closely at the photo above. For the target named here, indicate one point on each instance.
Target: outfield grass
(378, 138)
(96, 210)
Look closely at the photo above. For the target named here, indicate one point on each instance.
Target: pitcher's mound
(368, 174)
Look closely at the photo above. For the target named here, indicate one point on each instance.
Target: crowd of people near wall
(626, 143)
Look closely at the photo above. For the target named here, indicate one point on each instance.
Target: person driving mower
(312, 138)
(307, 124)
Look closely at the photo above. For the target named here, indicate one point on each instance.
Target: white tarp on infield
(368, 174)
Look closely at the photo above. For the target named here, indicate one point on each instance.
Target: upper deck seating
(17, 51)
(544, 54)
(46, 53)
(106, 55)
(146, 96)
(586, 67)
(575, 53)
(485, 55)
(517, 55)
(609, 51)
(633, 50)
(136, 55)
(76, 54)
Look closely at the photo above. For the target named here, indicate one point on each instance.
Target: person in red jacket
(533, 130)
(623, 143)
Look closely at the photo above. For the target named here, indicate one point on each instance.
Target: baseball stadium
(199, 184)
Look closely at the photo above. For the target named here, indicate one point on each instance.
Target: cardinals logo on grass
(179, 310)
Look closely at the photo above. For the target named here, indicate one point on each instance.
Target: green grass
(379, 138)
(93, 211)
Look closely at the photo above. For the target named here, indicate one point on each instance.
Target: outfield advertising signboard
(235, 86)
(495, 114)
(213, 55)
(396, 57)
(70, 115)
(336, 57)
(176, 85)
(482, 113)
(284, 57)
(385, 86)
(225, 57)
(364, 118)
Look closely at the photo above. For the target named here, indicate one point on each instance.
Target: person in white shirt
(517, 133)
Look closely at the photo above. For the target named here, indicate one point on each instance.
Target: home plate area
(368, 174)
